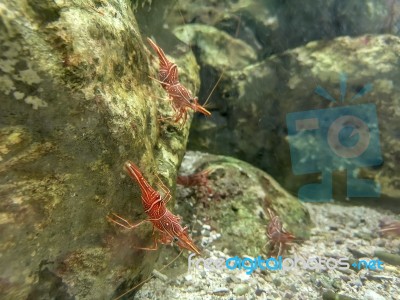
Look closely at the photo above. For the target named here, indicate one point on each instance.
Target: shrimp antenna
(223, 71)
(213, 89)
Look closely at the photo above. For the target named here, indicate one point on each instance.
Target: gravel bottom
(340, 231)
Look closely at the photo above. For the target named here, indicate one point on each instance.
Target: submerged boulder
(76, 103)
(233, 205)
(274, 26)
(250, 104)
(259, 98)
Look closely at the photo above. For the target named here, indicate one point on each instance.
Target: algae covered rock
(217, 52)
(216, 48)
(235, 204)
(260, 97)
(274, 26)
(250, 104)
(76, 103)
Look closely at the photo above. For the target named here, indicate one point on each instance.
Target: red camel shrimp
(182, 100)
(197, 179)
(163, 220)
(168, 71)
(277, 235)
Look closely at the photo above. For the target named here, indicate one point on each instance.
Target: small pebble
(336, 283)
(188, 277)
(293, 288)
(206, 227)
(288, 295)
(352, 225)
(379, 277)
(356, 253)
(159, 275)
(220, 291)
(242, 277)
(241, 289)
(275, 295)
(381, 243)
(188, 283)
(372, 295)
(356, 283)
(345, 278)
(259, 292)
(390, 258)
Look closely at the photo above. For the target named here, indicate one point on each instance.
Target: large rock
(76, 102)
(252, 123)
(274, 26)
(249, 105)
(235, 202)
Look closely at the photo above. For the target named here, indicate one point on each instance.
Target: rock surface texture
(234, 202)
(76, 103)
(253, 116)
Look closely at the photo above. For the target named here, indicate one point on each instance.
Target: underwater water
(236, 149)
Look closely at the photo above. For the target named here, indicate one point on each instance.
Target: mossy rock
(241, 195)
(250, 122)
(76, 103)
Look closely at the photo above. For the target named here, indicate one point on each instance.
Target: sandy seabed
(340, 232)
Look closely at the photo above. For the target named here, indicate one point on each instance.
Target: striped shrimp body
(279, 238)
(166, 223)
(168, 71)
(182, 100)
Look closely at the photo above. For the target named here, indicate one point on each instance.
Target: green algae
(77, 102)
(238, 208)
